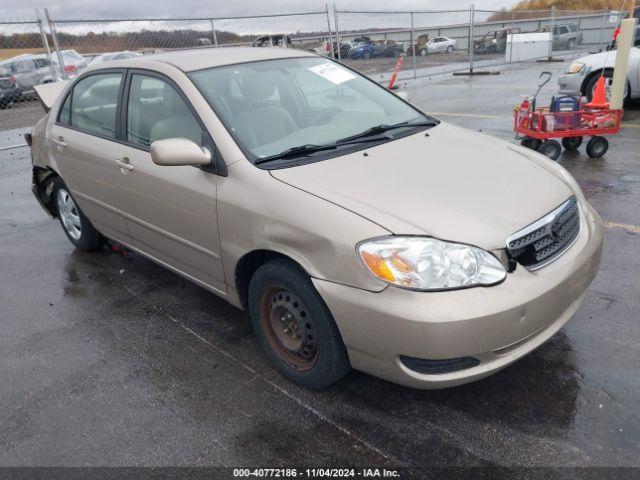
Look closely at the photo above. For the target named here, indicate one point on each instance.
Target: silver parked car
(108, 57)
(581, 76)
(28, 71)
(439, 45)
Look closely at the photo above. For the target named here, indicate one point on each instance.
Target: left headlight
(425, 263)
(575, 67)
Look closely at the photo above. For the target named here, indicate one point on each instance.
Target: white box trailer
(528, 46)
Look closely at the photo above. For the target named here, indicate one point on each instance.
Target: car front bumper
(495, 325)
(571, 84)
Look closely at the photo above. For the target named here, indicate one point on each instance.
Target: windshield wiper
(294, 152)
(378, 129)
(368, 135)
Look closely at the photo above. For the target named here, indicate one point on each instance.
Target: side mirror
(179, 152)
(403, 95)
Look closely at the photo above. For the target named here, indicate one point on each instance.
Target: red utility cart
(540, 127)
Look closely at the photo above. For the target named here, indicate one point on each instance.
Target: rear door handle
(60, 143)
(125, 164)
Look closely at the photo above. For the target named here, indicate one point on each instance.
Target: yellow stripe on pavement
(623, 226)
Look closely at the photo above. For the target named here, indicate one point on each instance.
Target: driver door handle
(125, 164)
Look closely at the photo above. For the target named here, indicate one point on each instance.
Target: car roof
(202, 58)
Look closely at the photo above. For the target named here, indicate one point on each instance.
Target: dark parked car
(9, 92)
(494, 41)
(565, 37)
(365, 48)
(272, 41)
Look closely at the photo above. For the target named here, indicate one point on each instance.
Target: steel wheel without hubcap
(69, 214)
(289, 328)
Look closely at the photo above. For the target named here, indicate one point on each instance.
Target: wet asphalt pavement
(107, 359)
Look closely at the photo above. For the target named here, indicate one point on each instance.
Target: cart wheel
(532, 143)
(550, 148)
(571, 143)
(597, 147)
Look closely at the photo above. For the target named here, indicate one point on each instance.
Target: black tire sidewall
(592, 82)
(571, 143)
(550, 144)
(593, 143)
(333, 362)
(90, 238)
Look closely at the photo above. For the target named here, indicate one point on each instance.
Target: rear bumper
(495, 325)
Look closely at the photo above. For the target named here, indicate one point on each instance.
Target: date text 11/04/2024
(316, 472)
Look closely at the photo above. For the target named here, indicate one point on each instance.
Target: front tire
(608, 78)
(597, 147)
(450, 49)
(550, 148)
(571, 143)
(75, 224)
(294, 326)
(422, 52)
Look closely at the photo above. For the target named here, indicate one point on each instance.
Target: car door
(82, 142)
(170, 211)
(26, 73)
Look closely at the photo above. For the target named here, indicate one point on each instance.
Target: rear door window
(93, 104)
(24, 66)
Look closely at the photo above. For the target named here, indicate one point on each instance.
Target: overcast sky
(74, 9)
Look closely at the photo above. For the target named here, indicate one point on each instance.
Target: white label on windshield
(333, 73)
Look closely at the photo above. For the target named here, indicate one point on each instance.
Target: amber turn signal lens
(378, 266)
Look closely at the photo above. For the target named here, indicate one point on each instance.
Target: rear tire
(571, 143)
(74, 223)
(294, 326)
(551, 149)
(532, 143)
(597, 147)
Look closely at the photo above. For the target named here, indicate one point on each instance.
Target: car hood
(452, 184)
(599, 60)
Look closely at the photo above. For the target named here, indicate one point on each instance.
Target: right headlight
(425, 263)
(575, 67)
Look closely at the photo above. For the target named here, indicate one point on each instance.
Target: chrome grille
(546, 239)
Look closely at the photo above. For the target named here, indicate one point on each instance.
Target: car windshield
(276, 105)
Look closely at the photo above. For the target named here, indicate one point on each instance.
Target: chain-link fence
(24, 63)
(439, 41)
(419, 43)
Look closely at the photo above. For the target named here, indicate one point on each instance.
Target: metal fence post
(604, 28)
(213, 32)
(551, 28)
(513, 24)
(54, 35)
(333, 53)
(45, 44)
(471, 20)
(335, 21)
(413, 48)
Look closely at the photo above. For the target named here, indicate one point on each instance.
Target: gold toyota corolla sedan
(356, 230)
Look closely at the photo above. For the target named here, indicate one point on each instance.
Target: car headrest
(258, 87)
